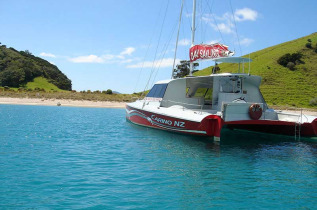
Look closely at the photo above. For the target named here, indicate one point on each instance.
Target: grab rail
(299, 115)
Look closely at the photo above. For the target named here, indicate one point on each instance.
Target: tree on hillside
(28, 52)
(182, 69)
(19, 67)
(12, 77)
(288, 58)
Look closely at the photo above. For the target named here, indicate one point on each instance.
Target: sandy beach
(101, 104)
(62, 102)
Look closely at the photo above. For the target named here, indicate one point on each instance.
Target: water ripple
(61, 157)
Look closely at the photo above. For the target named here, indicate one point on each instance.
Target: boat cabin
(209, 92)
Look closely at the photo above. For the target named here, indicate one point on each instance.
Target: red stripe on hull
(212, 124)
(163, 122)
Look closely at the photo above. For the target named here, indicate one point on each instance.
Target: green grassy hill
(42, 83)
(17, 68)
(280, 85)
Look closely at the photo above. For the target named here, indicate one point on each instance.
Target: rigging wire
(153, 64)
(163, 55)
(179, 24)
(235, 25)
(148, 47)
(203, 28)
(187, 14)
(213, 16)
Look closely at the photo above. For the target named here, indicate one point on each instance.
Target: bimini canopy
(232, 60)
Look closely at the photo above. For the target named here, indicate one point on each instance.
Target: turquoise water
(64, 157)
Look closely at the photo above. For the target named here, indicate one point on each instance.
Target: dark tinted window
(157, 91)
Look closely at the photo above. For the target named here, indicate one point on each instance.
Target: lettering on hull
(174, 123)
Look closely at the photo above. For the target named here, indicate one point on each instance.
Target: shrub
(308, 45)
(109, 91)
(313, 102)
(290, 65)
(308, 40)
(294, 58)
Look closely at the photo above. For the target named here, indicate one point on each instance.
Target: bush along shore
(69, 95)
(96, 96)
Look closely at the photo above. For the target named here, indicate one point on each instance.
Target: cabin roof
(205, 77)
(232, 60)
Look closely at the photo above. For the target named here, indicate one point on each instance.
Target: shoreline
(62, 102)
(103, 104)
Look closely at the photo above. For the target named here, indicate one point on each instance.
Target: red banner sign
(205, 51)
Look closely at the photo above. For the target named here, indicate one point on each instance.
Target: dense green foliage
(182, 69)
(308, 45)
(71, 95)
(294, 58)
(280, 86)
(109, 91)
(17, 68)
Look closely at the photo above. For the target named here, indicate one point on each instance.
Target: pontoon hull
(212, 124)
(276, 127)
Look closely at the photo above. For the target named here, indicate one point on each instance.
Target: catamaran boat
(204, 105)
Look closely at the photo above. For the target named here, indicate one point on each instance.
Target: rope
(213, 16)
(163, 55)
(179, 25)
(147, 50)
(153, 65)
(235, 25)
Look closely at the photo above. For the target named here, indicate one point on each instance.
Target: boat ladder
(297, 130)
(298, 126)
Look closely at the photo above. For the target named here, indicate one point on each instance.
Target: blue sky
(102, 44)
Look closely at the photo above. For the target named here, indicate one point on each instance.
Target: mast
(179, 25)
(191, 65)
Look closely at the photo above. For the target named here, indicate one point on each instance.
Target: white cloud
(224, 28)
(163, 63)
(128, 51)
(225, 23)
(245, 14)
(184, 42)
(213, 42)
(43, 54)
(107, 58)
(246, 41)
(87, 59)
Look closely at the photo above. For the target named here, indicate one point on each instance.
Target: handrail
(299, 115)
